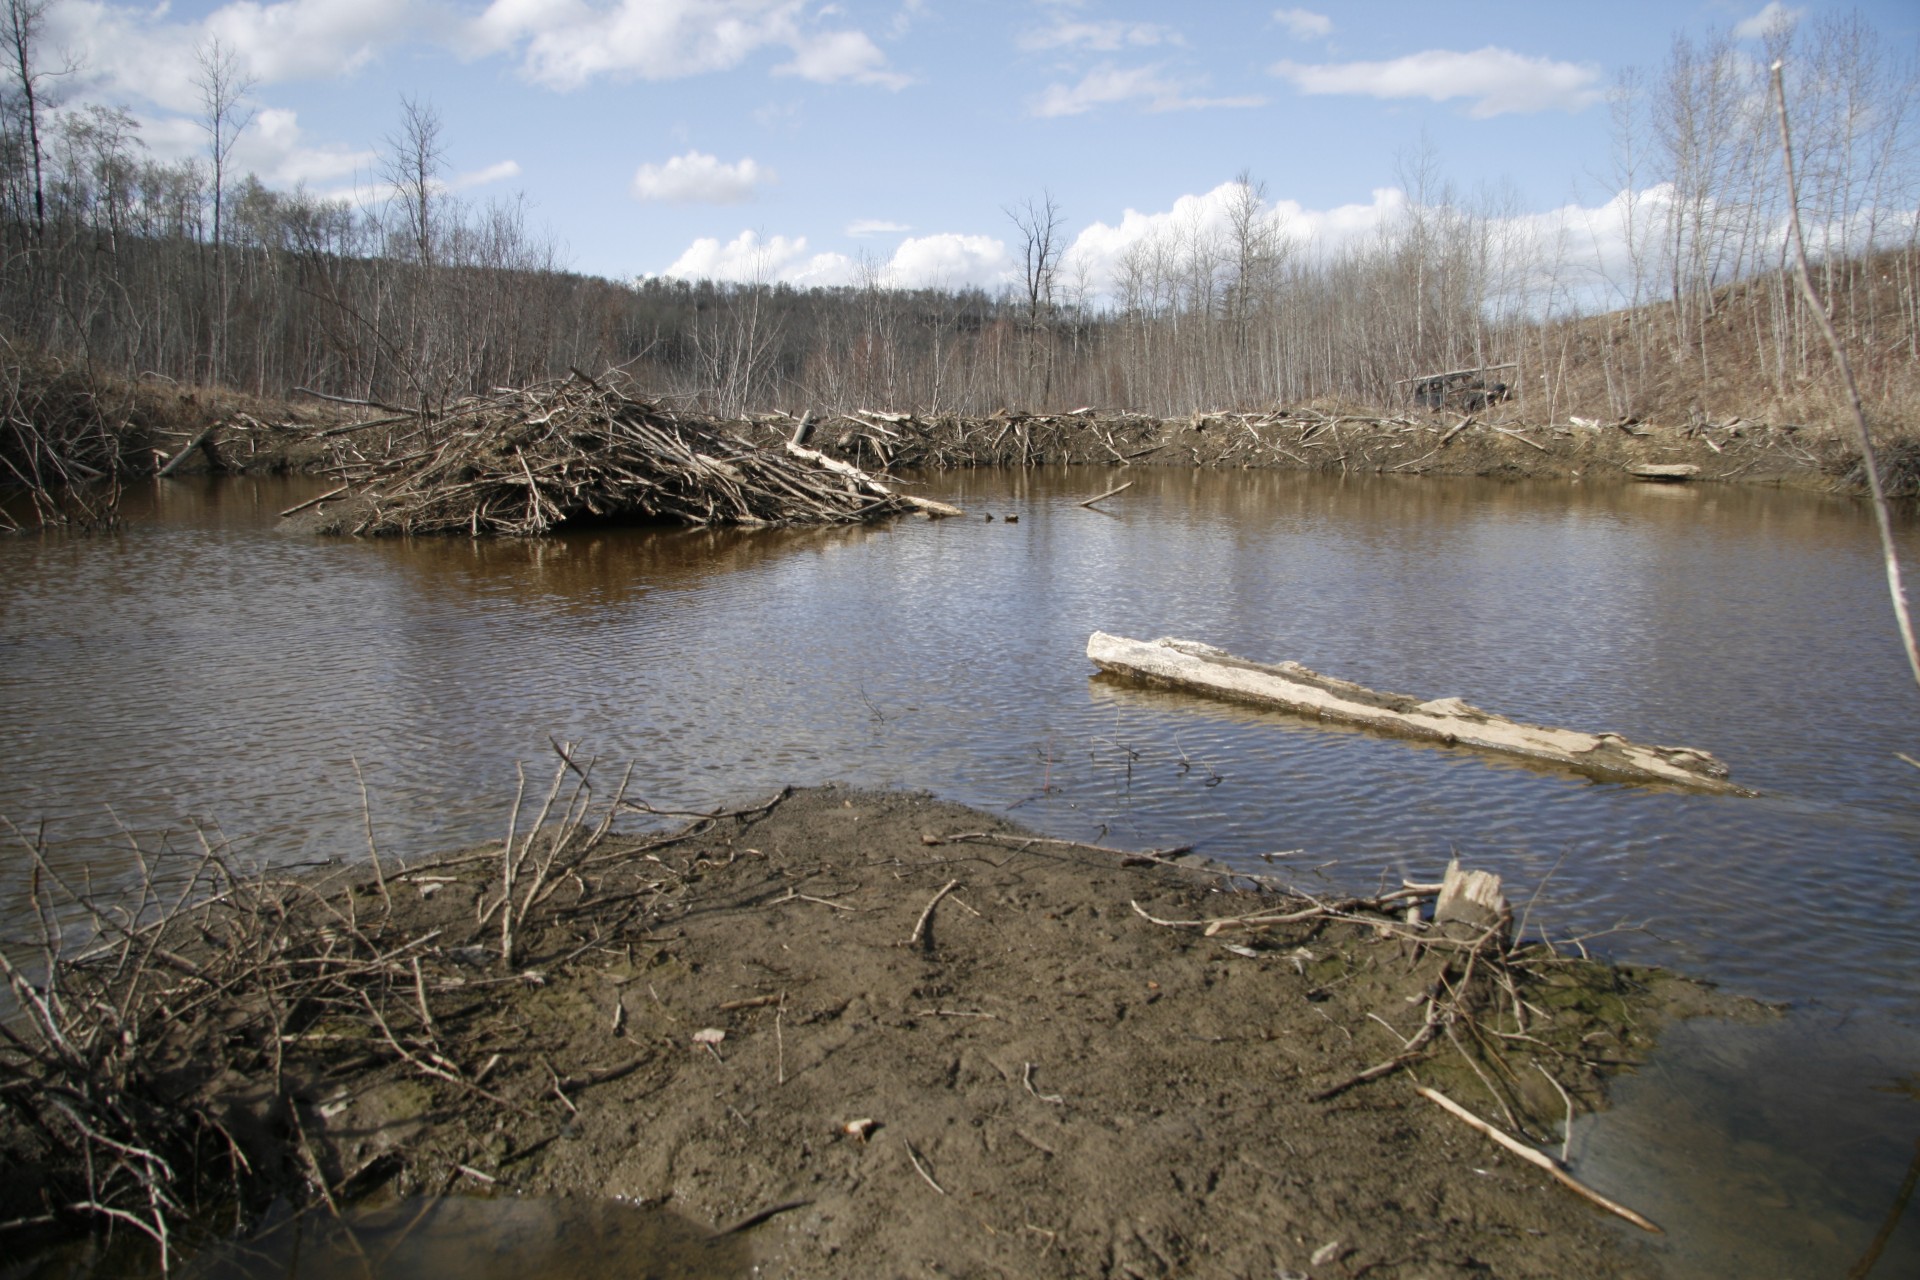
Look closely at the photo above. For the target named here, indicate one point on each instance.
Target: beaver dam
(855, 1033)
(522, 461)
(526, 461)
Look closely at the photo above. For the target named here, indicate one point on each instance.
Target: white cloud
(949, 261)
(1107, 85)
(1105, 37)
(140, 53)
(274, 147)
(748, 259)
(841, 55)
(875, 227)
(698, 178)
(563, 44)
(1304, 24)
(310, 39)
(1497, 80)
(487, 176)
(1763, 22)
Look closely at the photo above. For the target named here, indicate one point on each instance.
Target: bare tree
(222, 84)
(1043, 236)
(415, 159)
(22, 30)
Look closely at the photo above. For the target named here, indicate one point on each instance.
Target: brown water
(206, 667)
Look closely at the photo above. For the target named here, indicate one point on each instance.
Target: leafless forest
(1674, 306)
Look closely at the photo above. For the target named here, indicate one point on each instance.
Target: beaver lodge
(523, 462)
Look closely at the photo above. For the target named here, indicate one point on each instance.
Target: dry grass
(1756, 356)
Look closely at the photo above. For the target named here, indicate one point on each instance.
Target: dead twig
(920, 926)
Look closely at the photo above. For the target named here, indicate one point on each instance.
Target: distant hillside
(1754, 354)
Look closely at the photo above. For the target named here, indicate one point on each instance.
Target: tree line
(1675, 302)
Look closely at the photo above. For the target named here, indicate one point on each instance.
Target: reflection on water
(206, 667)
(467, 1238)
(1761, 1155)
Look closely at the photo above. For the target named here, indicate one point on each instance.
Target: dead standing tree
(222, 84)
(1043, 233)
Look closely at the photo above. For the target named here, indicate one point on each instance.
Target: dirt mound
(882, 1032)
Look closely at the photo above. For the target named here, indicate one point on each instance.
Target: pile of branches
(522, 462)
(164, 1043)
(1009, 438)
(61, 445)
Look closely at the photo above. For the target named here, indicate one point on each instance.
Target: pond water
(207, 667)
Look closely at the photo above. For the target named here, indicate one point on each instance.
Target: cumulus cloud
(273, 147)
(1497, 81)
(1100, 251)
(1304, 24)
(563, 44)
(1107, 85)
(875, 227)
(142, 53)
(948, 260)
(1764, 22)
(308, 39)
(749, 259)
(841, 55)
(1103, 37)
(698, 178)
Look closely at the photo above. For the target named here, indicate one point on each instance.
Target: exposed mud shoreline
(875, 1033)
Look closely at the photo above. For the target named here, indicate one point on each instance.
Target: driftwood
(1198, 668)
(186, 451)
(1670, 472)
(1540, 1158)
(868, 484)
(526, 461)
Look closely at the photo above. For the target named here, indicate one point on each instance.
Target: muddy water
(205, 668)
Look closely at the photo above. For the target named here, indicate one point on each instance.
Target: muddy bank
(870, 1033)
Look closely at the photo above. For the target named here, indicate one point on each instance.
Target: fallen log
(1193, 667)
(867, 484)
(199, 441)
(1667, 472)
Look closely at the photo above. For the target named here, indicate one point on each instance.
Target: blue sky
(798, 140)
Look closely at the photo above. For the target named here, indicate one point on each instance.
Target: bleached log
(867, 483)
(1672, 472)
(1200, 668)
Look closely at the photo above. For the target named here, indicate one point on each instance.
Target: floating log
(1664, 472)
(1193, 667)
